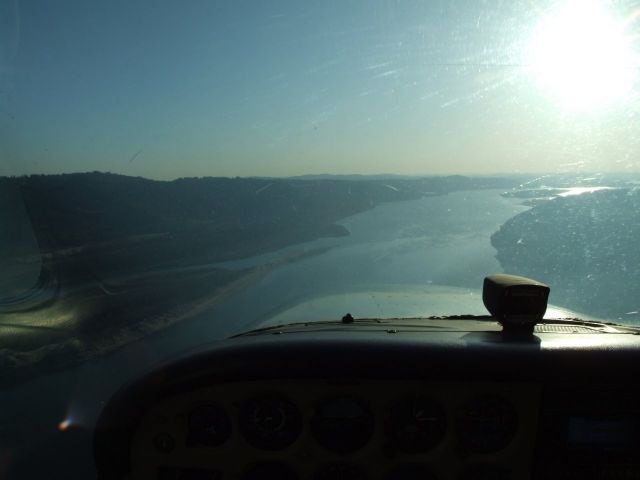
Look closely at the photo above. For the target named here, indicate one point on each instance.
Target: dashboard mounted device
(517, 303)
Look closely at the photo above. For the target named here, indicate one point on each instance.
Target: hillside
(585, 246)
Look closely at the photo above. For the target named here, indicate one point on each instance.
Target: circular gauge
(342, 425)
(208, 425)
(261, 471)
(484, 472)
(410, 472)
(416, 425)
(270, 422)
(486, 424)
(340, 471)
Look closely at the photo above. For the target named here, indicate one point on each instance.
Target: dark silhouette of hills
(586, 247)
(145, 222)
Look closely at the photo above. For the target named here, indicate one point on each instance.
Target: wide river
(435, 241)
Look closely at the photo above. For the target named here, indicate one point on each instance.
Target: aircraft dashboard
(459, 400)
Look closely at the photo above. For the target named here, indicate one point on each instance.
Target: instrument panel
(380, 404)
(323, 429)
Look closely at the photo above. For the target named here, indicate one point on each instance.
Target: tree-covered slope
(586, 247)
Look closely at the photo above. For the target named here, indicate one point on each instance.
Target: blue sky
(165, 89)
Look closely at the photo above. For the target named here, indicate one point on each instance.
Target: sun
(581, 53)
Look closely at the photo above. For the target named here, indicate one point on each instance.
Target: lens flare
(64, 424)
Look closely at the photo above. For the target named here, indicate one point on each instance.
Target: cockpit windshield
(173, 173)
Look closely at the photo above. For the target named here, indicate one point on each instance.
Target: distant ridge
(357, 176)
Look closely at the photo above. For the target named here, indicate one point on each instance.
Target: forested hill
(587, 247)
(206, 218)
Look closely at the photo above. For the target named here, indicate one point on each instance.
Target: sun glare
(582, 54)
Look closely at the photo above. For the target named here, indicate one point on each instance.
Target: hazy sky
(165, 89)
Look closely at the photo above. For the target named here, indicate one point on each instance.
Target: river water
(442, 241)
